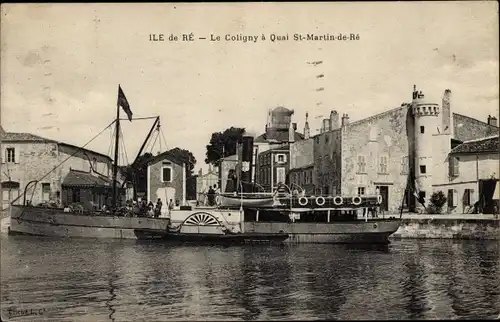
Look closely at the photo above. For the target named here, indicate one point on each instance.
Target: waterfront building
(379, 154)
(470, 174)
(279, 131)
(26, 157)
(301, 172)
(273, 167)
(166, 180)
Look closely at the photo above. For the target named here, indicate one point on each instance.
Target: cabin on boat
(89, 190)
(166, 180)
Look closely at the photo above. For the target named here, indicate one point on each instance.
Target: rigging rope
(164, 140)
(57, 166)
(153, 145)
(111, 139)
(124, 148)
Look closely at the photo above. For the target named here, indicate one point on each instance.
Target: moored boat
(231, 200)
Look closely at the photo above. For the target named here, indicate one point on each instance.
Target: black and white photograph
(250, 161)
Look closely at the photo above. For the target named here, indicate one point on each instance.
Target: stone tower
(427, 120)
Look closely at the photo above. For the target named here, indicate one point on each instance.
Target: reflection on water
(103, 280)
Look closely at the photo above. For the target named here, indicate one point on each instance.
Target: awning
(85, 180)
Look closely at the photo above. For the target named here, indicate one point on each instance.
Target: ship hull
(354, 232)
(56, 223)
(241, 238)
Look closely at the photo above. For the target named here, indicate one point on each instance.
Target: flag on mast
(122, 101)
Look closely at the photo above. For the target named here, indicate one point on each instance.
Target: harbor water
(125, 280)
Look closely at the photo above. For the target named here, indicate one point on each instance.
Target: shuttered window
(361, 164)
(454, 166)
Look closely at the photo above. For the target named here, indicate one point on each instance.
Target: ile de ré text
(255, 38)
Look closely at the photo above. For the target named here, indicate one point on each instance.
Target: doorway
(384, 192)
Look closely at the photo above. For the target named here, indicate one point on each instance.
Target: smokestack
(247, 159)
(291, 133)
(345, 119)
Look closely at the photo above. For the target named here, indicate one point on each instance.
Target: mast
(115, 163)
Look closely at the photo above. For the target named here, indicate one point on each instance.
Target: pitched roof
(84, 150)
(23, 137)
(165, 155)
(28, 137)
(484, 145)
(280, 136)
(76, 178)
(466, 128)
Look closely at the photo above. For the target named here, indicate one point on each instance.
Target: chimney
(492, 120)
(446, 114)
(345, 119)
(200, 172)
(291, 132)
(334, 120)
(326, 125)
(307, 131)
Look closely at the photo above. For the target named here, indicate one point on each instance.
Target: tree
(190, 161)
(185, 156)
(436, 203)
(223, 144)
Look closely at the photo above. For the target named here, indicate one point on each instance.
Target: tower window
(422, 129)
(423, 169)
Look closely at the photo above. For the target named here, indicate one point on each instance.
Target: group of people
(210, 196)
(143, 208)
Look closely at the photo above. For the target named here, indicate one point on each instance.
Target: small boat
(236, 200)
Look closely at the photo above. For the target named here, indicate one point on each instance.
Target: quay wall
(479, 227)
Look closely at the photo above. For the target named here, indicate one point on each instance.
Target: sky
(61, 65)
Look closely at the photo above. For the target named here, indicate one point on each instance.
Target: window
(45, 191)
(166, 174)
(10, 155)
(423, 169)
(404, 165)
(454, 166)
(361, 190)
(468, 196)
(452, 198)
(10, 191)
(383, 164)
(361, 164)
(422, 129)
(280, 158)
(94, 164)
